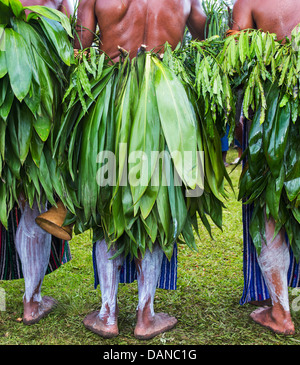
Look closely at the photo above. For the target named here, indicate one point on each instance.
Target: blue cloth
(255, 288)
(224, 140)
(237, 143)
(128, 274)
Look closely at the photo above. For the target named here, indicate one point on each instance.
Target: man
(129, 24)
(33, 245)
(280, 18)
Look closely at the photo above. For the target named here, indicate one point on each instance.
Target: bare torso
(274, 16)
(131, 23)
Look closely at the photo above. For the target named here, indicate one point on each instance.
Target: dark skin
(273, 16)
(129, 24)
(279, 17)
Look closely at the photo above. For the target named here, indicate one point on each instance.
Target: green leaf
(177, 205)
(24, 132)
(144, 136)
(278, 140)
(3, 67)
(52, 14)
(16, 7)
(256, 154)
(58, 37)
(5, 12)
(85, 83)
(269, 123)
(36, 148)
(6, 106)
(257, 221)
(2, 138)
(3, 201)
(273, 193)
(292, 188)
(18, 64)
(42, 126)
(45, 181)
(178, 123)
(163, 207)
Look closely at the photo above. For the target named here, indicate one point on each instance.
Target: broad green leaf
(42, 125)
(144, 138)
(18, 64)
(273, 193)
(52, 14)
(16, 7)
(47, 86)
(278, 140)
(58, 37)
(256, 154)
(178, 123)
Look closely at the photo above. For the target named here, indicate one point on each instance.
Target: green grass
(206, 303)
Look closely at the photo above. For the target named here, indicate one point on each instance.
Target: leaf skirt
(131, 138)
(35, 53)
(271, 177)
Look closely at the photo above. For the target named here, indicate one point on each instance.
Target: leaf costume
(35, 53)
(268, 72)
(144, 105)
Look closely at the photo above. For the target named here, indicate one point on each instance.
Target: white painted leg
(105, 321)
(149, 324)
(109, 278)
(33, 246)
(148, 271)
(274, 262)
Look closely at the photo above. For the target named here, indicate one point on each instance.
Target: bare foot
(95, 324)
(269, 318)
(34, 311)
(160, 322)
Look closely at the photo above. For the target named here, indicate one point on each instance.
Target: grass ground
(206, 303)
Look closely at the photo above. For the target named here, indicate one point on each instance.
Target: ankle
(280, 312)
(145, 315)
(109, 314)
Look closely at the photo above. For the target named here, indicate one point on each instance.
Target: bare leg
(150, 324)
(105, 321)
(274, 263)
(33, 246)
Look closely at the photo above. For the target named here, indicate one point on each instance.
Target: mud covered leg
(274, 263)
(105, 321)
(149, 324)
(33, 245)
